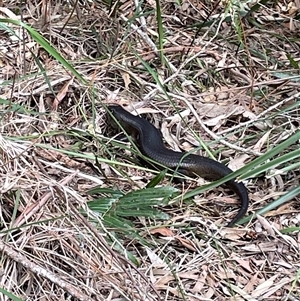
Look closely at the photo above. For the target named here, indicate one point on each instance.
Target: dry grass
(231, 70)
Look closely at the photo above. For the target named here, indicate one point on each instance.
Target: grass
(82, 217)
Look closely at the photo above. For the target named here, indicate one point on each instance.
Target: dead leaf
(264, 286)
(186, 243)
(112, 95)
(169, 138)
(163, 231)
(244, 263)
(238, 162)
(126, 78)
(233, 234)
(253, 281)
(261, 142)
(261, 247)
(178, 117)
(61, 94)
(200, 283)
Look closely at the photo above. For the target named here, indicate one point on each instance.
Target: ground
(82, 218)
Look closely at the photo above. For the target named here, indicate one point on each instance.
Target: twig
(212, 134)
(115, 255)
(32, 209)
(139, 11)
(262, 114)
(82, 175)
(36, 269)
(175, 74)
(146, 38)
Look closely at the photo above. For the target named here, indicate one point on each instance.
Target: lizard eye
(113, 109)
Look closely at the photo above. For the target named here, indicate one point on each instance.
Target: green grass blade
(160, 32)
(10, 295)
(45, 44)
(272, 164)
(249, 168)
(282, 200)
